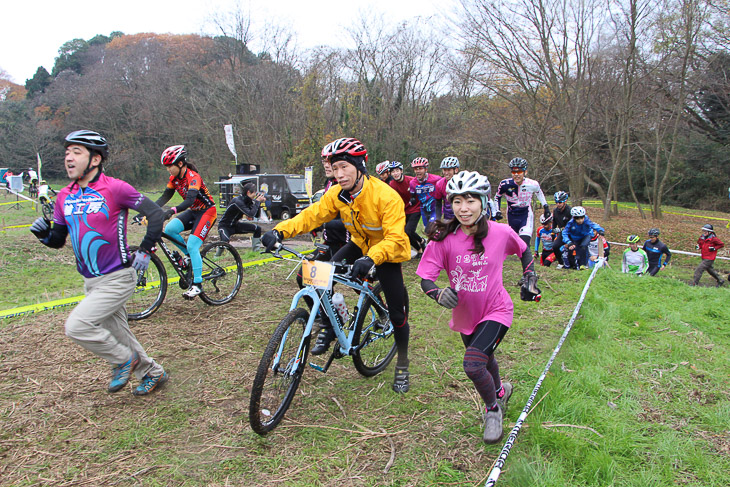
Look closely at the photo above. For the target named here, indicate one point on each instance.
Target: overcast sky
(32, 31)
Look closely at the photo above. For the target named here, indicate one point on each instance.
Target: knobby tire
(144, 302)
(375, 356)
(273, 390)
(220, 284)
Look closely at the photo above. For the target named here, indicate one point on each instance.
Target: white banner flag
(229, 140)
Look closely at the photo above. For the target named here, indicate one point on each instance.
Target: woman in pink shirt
(472, 249)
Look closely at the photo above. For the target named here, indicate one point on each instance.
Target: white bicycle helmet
(577, 212)
(544, 219)
(470, 182)
(382, 167)
(450, 163)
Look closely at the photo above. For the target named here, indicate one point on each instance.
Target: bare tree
(540, 53)
(680, 30)
(616, 77)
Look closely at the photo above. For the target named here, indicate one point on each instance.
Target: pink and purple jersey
(96, 218)
(477, 278)
(429, 193)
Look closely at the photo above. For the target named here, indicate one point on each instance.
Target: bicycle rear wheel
(275, 385)
(222, 273)
(150, 291)
(375, 332)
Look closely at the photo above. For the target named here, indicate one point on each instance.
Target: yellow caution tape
(34, 308)
(16, 202)
(60, 303)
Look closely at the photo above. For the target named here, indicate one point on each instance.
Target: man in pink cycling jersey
(92, 212)
(427, 188)
(401, 184)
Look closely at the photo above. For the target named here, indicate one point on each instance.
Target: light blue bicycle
(367, 336)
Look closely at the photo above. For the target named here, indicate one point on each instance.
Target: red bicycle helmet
(419, 162)
(173, 154)
(382, 167)
(346, 147)
(326, 151)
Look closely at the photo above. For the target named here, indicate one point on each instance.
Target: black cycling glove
(41, 228)
(529, 290)
(362, 266)
(446, 297)
(271, 239)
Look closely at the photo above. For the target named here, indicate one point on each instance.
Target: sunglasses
(517, 171)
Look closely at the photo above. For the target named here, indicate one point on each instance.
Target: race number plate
(318, 274)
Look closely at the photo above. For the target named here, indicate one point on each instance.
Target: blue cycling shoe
(150, 383)
(122, 372)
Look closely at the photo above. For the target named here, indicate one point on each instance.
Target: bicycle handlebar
(341, 267)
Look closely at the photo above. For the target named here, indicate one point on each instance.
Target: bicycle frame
(168, 253)
(321, 299)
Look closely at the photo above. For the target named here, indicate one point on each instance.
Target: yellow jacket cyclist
(375, 218)
(374, 215)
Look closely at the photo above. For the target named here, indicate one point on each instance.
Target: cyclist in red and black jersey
(196, 213)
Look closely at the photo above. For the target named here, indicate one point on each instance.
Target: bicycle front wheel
(47, 209)
(374, 337)
(150, 291)
(222, 273)
(279, 372)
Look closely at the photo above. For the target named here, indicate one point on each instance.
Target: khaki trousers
(99, 322)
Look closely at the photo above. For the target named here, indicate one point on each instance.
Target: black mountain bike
(222, 276)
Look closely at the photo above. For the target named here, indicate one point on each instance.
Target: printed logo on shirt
(470, 281)
(86, 204)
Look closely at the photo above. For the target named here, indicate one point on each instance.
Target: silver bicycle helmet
(518, 163)
(450, 163)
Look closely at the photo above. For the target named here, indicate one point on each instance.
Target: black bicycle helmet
(653, 232)
(89, 139)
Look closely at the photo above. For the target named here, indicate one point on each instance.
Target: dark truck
(286, 194)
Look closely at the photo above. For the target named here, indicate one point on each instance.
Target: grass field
(638, 396)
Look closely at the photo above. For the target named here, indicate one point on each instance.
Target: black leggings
(240, 226)
(417, 242)
(557, 243)
(479, 362)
